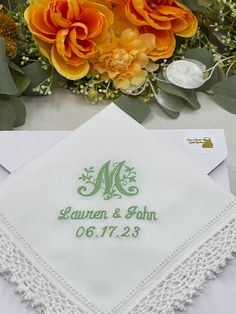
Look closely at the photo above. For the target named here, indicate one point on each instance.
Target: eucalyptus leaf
(206, 3)
(170, 113)
(200, 54)
(225, 93)
(7, 84)
(36, 75)
(20, 79)
(135, 108)
(170, 104)
(20, 111)
(13, 66)
(7, 114)
(187, 94)
(217, 76)
(194, 5)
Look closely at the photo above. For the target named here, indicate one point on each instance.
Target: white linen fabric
(153, 261)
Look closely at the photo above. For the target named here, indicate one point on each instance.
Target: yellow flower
(124, 60)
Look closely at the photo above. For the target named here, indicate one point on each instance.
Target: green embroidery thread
(113, 179)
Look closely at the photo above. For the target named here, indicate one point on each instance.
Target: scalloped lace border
(171, 294)
(187, 279)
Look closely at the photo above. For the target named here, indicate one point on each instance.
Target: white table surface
(65, 111)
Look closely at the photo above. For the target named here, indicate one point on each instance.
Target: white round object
(186, 74)
(200, 64)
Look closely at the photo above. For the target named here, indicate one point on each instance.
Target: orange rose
(164, 19)
(162, 15)
(68, 31)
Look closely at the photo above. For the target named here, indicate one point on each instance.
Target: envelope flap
(206, 146)
(19, 147)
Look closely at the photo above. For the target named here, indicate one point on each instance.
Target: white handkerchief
(112, 220)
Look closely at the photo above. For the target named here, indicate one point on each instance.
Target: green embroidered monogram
(114, 180)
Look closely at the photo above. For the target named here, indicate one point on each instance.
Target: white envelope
(206, 146)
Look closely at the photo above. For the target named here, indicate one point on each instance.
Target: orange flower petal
(68, 31)
(139, 13)
(93, 21)
(49, 22)
(149, 39)
(165, 43)
(45, 48)
(84, 49)
(133, 15)
(35, 19)
(121, 22)
(79, 31)
(170, 12)
(105, 21)
(60, 41)
(190, 29)
(73, 10)
(162, 15)
(71, 72)
(108, 15)
(183, 22)
(60, 21)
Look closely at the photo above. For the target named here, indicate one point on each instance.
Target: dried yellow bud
(7, 26)
(10, 48)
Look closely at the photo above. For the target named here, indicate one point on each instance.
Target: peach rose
(124, 60)
(68, 31)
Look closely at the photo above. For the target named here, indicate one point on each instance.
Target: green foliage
(188, 95)
(216, 77)
(42, 81)
(200, 54)
(20, 111)
(225, 93)
(194, 5)
(172, 105)
(12, 112)
(134, 107)
(12, 84)
(7, 114)
(21, 80)
(7, 84)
